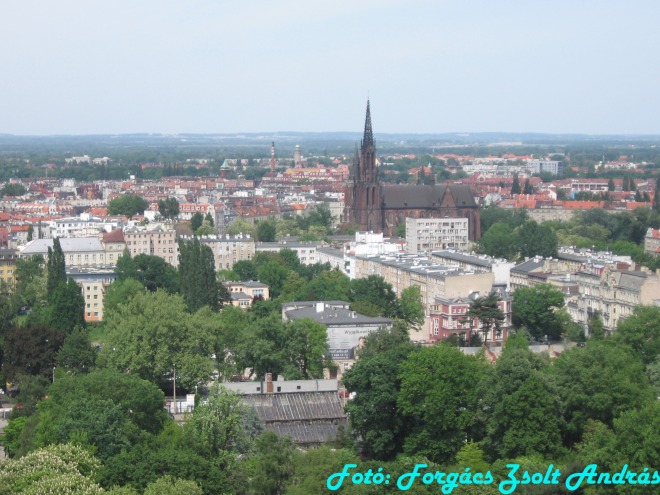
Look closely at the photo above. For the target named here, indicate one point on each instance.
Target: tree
(411, 309)
(31, 282)
(497, 242)
(77, 356)
(537, 309)
(217, 426)
(536, 240)
(31, 350)
(209, 218)
(641, 331)
(245, 270)
(152, 271)
(266, 231)
(13, 190)
(440, 411)
(327, 286)
(199, 286)
(376, 380)
(519, 410)
(30, 233)
(610, 185)
(120, 292)
(55, 268)
(173, 486)
(128, 205)
(152, 334)
(598, 382)
(528, 189)
(401, 230)
(273, 464)
(487, 313)
(196, 221)
(374, 291)
(168, 208)
(515, 185)
(241, 226)
(67, 308)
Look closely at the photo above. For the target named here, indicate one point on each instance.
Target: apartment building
(227, 249)
(153, 239)
(306, 250)
(243, 293)
(7, 268)
(424, 235)
(93, 281)
(652, 242)
(78, 251)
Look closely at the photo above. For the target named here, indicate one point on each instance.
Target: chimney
(269, 383)
(319, 307)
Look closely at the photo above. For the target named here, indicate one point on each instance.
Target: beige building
(652, 242)
(78, 251)
(153, 239)
(227, 249)
(113, 245)
(613, 294)
(93, 282)
(424, 235)
(434, 280)
(7, 268)
(307, 251)
(243, 293)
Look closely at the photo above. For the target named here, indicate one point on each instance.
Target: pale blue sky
(206, 66)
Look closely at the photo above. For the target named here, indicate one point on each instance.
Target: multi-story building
(306, 250)
(424, 235)
(434, 280)
(83, 226)
(7, 268)
(114, 246)
(153, 239)
(652, 242)
(365, 244)
(613, 294)
(78, 251)
(500, 268)
(243, 293)
(543, 166)
(345, 328)
(93, 281)
(448, 317)
(227, 249)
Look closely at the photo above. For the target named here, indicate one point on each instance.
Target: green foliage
(128, 205)
(411, 309)
(209, 218)
(401, 230)
(31, 283)
(120, 292)
(31, 350)
(171, 486)
(154, 332)
(77, 356)
(641, 331)
(515, 185)
(168, 208)
(13, 190)
(376, 292)
(496, 241)
(272, 464)
(266, 230)
(375, 378)
(599, 382)
(55, 268)
(327, 286)
(536, 240)
(537, 309)
(493, 214)
(196, 221)
(245, 270)
(488, 314)
(67, 307)
(199, 286)
(241, 226)
(440, 411)
(151, 271)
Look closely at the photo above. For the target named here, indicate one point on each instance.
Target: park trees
(641, 331)
(411, 309)
(77, 356)
(152, 334)
(67, 307)
(373, 296)
(376, 380)
(488, 314)
(13, 190)
(199, 286)
(536, 240)
(31, 350)
(196, 220)
(497, 241)
(266, 230)
(538, 309)
(440, 411)
(128, 205)
(55, 268)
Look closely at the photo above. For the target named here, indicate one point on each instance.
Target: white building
(424, 235)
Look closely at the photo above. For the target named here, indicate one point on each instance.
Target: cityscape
(427, 288)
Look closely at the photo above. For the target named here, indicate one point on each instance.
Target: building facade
(154, 240)
(7, 268)
(424, 235)
(382, 207)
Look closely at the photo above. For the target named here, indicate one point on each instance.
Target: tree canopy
(128, 205)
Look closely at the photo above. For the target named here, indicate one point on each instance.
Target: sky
(427, 66)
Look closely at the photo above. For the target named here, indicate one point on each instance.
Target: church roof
(408, 196)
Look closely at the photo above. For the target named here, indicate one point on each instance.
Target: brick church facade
(381, 207)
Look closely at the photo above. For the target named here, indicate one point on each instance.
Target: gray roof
(474, 260)
(335, 316)
(238, 296)
(402, 196)
(69, 244)
(248, 283)
(528, 266)
(307, 417)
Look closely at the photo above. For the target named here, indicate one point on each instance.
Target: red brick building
(381, 207)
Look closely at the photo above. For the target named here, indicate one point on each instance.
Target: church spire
(368, 138)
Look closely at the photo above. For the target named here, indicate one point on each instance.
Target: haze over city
(79, 67)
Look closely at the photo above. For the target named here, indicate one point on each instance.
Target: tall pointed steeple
(368, 138)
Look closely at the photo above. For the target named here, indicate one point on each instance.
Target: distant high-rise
(297, 158)
(272, 155)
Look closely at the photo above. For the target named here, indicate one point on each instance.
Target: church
(381, 207)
